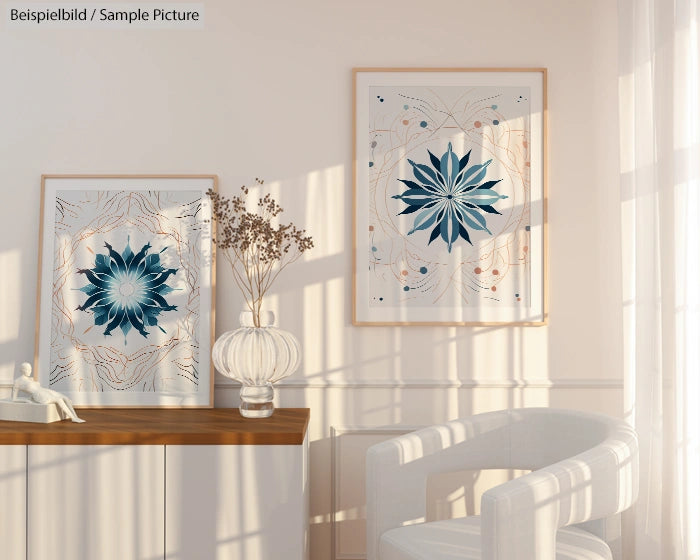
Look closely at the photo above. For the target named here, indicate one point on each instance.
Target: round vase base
(256, 410)
(256, 401)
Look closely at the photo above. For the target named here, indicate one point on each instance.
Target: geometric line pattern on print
(127, 290)
(449, 197)
(493, 269)
(168, 363)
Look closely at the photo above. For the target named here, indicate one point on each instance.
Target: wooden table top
(152, 426)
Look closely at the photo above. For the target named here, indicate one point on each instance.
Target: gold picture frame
(126, 290)
(449, 196)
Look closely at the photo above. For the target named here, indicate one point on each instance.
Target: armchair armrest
(520, 519)
(398, 469)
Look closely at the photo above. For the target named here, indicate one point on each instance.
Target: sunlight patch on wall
(10, 295)
(334, 336)
(326, 211)
(314, 327)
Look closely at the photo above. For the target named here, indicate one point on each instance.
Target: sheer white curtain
(660, 182)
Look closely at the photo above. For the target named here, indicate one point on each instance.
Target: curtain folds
(659, 64)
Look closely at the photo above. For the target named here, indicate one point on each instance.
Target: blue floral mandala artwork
(449, 197)
(127, 290)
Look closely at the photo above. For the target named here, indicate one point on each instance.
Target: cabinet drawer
(95, 501)
(13, 513)
(236, 502)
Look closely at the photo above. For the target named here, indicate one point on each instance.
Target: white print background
(406, 122)
(84, 359)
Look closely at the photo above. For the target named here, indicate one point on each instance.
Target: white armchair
(584, 468)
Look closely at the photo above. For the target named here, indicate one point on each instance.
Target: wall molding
(574, 383)
(336, 473)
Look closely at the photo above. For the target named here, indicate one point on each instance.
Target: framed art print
(125, 292)
(450, 196)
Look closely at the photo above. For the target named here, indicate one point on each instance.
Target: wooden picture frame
(125, 295)
(450, 194)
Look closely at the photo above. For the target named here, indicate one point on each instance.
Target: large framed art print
(125, 290)
(449, 196)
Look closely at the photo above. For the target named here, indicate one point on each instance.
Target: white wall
(265, 90)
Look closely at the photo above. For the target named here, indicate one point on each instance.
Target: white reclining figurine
(41, 395)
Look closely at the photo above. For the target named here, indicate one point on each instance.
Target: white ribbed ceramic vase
(257, 357)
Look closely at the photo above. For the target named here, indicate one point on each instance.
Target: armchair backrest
(585, 466)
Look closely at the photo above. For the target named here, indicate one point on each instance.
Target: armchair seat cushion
(460, 539)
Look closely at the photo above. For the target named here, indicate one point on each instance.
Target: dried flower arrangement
(256, 250)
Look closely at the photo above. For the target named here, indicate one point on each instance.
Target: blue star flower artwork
(127, 290)
(450, 197)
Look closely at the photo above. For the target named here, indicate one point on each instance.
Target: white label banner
(141, 15)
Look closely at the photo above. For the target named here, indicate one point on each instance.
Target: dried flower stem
(256, 250)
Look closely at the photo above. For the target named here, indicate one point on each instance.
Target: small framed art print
(449, 196)
(125, 290)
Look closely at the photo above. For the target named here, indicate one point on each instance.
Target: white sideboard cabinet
(147, 484)
(13, 504)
